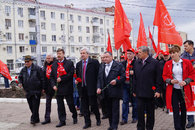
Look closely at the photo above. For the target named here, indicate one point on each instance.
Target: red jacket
(188, 72)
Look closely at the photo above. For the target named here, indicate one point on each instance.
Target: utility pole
(38, 34)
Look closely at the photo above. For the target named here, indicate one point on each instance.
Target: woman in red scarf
(178, 73)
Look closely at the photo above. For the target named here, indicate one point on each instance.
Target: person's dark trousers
(48, 107)
(190, 118)
(87, 101)
(6, 82)
(125, 105)
(61, 107)
(178, 105)
(113, 108)
(34, 103)
(76, 102)
(145, 105)
(134, 108)
(104, 109)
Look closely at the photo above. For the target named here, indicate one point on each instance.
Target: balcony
(32, 42)
(32, 29)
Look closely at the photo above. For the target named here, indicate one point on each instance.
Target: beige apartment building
(60, 26)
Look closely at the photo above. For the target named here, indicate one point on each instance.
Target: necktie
(84, 68)
(107, 69)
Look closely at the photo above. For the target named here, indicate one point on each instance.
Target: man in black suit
(87, 69)
(109, 75)
(47, 87)
(62, 82)
(32, 80)
(146, 75)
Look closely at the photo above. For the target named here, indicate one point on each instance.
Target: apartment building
(60, 27)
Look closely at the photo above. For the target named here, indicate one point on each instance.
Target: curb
(21, 100)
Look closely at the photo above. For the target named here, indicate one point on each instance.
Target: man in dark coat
(31, 79)
(128, 88)
(113, 93)
(47, 87)
(87, 69)
(146, 75)
(62, 82)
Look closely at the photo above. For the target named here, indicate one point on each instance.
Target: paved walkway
(16, 116)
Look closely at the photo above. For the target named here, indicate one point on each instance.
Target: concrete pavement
(16, 116)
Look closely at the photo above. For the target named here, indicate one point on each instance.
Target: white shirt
(177, 72)
(107, 68)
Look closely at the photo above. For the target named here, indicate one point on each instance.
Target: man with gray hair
(87, 69)
(146, 87)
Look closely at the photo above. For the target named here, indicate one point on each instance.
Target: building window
(43, 38)
(88, 39)
(10, 64)
(102, 49)
(107, 22)
(42, 14)
(71, 38)
(80, 39)
(21, 48)
(71, 28)
(32, 35)
(53, 15)
(7, 10)
(9, 49)
(54, 49)
(53, 38)
(71, 18)
(44, 49)
(62, 27)
(101, 31)
(8, 36)
(20, 24)
(33, 49)
(7, 23)
(79, 18)
(21, 36)
(95, 49)
(43, 25)
(53, 26)
(31, 11)
(87, 30)
(62, 16)
(63, 38)
(108, 30)
(87, 19)
(72, 49)
(101, 21)
(79, 28)
(20, 12)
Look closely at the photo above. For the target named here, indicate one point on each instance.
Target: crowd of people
(138, 79)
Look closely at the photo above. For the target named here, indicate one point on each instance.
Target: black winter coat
(34, 83)
(65, 87)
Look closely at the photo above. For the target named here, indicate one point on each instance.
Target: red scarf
(128, 69)
(61, 71)
(48, 71)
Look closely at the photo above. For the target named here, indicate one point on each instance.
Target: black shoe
(190, 124)
(123, 122)
(75, 121)
(46, 122)
(110, 128)
(114, 129)
(61, 124)
(134, 121)
(104, 117)
(98, 123)
(86, 126)
(80, 114)
(32, 122)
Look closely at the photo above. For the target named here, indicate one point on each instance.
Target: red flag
(153, 44)
(122, 27)
(142, 40)
(167, 48)
(166, 28)
(109, 47)
(4, 70)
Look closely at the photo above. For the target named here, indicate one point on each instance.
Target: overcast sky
(182, 12)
